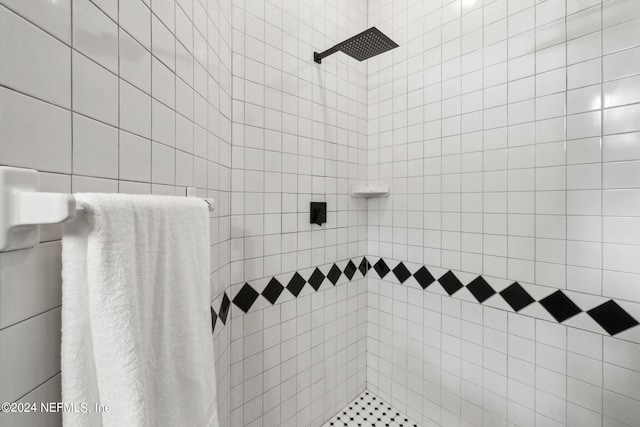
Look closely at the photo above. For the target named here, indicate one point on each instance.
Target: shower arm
(317, 57)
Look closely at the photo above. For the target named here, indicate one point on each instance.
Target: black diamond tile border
(273, 290)
(334, 274)
(224, 308)
(424, 277)
(214, 319)
(516, 296)
(381, 268)
(560, 306)
(364, 266)
(610, 316)
(296, 284)
(401, 272)
(480, 289)
(245, 297)
(350, 270)
(450, 282)
(316, 279)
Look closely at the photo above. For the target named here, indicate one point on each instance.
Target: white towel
(136, 322)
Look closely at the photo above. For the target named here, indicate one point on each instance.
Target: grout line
(59, 306)
(38, 386)
(566, 217)
(602, 400)
(49, 33)
(150, 139)
(119, 100)
(71, 106)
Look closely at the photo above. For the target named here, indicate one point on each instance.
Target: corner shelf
(369, 191)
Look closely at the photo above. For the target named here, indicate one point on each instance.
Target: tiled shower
(497, 283)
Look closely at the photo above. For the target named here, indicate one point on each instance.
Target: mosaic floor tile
(368, 410)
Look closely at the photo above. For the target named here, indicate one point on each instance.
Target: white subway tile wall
(300, 360)
(106, 96)
(508, 131)
(299, 135)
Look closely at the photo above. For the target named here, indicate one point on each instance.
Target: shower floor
(368, 410)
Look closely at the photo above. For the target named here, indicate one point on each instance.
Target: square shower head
(367, 44)
(362, 46)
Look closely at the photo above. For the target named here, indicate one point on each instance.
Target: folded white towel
(136, 322)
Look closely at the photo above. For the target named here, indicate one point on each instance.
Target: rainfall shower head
(363, 46)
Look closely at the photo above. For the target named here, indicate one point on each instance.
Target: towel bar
(23, 207)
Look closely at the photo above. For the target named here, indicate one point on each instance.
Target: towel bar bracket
(23, 208)
(193, 192)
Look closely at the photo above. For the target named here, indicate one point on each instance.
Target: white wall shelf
(370, 191)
